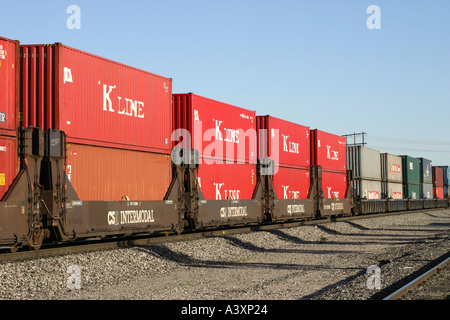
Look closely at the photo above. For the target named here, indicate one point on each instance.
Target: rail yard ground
(348, 260)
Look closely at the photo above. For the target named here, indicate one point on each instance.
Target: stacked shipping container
(225, 137)
(329, 151)
(288, 145)
(426, 183)
(366, 170)
(438, 182)
(446, 176)
(411, 177)
(9, 108)
(103, 107)
(391, 176)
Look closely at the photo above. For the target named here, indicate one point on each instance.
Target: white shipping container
(391, 168)
(367, 189)
(392, 190)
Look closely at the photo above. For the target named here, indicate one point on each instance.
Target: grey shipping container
(364, 162)
(425, 171)
(426, 191)
(367, 189)
(391, 190)
(391, 168)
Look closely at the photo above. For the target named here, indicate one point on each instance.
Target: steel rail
(414, 283)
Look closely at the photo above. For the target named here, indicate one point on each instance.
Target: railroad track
(126, 242)
(428, 289)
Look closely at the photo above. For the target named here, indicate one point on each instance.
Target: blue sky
(311, 62)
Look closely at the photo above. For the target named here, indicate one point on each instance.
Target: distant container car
(438, 192)
(438, 177)
(364, 163)
(426, 191)
(411, 170)
(446, 174)
(425, 166)
(95, 101)
(391, 168)
(9, 86)
(217, 130)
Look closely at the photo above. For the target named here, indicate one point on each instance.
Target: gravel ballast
(326, 261)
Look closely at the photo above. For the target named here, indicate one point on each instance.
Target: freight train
(91, 148)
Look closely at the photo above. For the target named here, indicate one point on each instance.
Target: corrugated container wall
(425, 170)
(284, 142)
(109, 174)
(411, 171)
(446, 174)
(438, 192)
(217, 130)
(334, 184)
(426, 191)
(328, 150)
(9, 163)
(227, 181)
(391, 168)
(391, 190)
(292, 183)
(364, 162)
(438, 177)
(95, 101)
(411, 191)
(9, 86)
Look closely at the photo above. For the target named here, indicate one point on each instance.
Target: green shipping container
(411, 170)
(411, 191)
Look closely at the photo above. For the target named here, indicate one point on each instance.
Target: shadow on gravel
(163, 252)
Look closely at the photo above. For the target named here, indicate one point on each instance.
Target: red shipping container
(329, 151)
(334, 184)
(290, 183)
(9, 163)
(438, 177)
(94, 100)
(227, 180)
(285, 142)
(109, 174)
(438, 192)
(217, 130)
(9, 85)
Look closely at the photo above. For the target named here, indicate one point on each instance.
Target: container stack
(411, 177)
(391, 176)
(438, 182)
(365, 165)
(426, 179)
(329, 152)
(118, 120)
(287, 144)
(9, 108)
(225, 138)
(446, 174)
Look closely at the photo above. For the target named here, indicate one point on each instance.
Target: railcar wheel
(36, 239)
